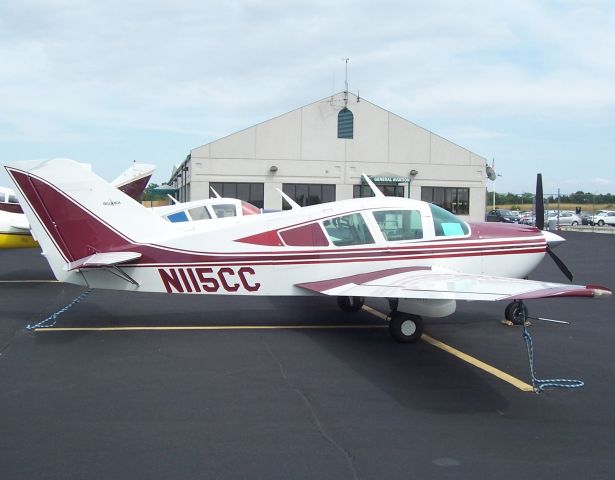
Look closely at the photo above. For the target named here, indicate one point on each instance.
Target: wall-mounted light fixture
(413, 173)
(273, 168)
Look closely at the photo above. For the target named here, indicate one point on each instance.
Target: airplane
(205, 209)
(420, 257)
(14, 227)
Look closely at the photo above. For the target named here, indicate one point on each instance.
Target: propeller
(540, 223)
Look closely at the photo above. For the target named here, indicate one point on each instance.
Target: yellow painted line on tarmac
(521, 385)
(209, 327)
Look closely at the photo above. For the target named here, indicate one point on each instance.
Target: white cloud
(71, 70)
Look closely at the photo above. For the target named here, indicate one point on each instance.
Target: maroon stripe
(357, 279)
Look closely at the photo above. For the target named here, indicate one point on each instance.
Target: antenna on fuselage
(291, 202)
(174, 200)
(215, 193)
(372, 185)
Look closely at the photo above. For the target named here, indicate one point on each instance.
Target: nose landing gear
(516, 312)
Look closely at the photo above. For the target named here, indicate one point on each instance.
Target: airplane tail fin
(75, 214)
(134, 180)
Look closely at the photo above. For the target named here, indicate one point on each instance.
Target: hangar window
(361, 191)
(308, 194)
(345, 123)
(348, 230)
(455, 200)
(253, 193)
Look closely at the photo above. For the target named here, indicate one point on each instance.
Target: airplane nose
(552, 239)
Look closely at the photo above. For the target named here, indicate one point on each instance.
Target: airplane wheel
(350, 304)
(405, 327)
(516, 312)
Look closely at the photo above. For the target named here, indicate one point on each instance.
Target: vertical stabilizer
(74, 213)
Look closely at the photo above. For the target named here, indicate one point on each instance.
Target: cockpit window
(399, 224)
(13, 199)
(348, 230)
(446, 224)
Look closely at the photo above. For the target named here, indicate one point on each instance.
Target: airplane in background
(15, 228)
(205, 209)
(420, 257)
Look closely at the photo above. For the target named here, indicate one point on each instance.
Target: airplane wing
(442, 284)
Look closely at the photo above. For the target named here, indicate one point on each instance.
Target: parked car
(566, 217)
(528, 218)
(585, 218)
(603, 217)
(501, 215)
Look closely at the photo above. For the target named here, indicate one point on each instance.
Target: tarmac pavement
(299, 403)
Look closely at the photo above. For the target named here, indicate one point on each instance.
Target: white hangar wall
(304, 146)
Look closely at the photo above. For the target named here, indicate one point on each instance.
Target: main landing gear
(350, 304)
(516, 312)
(403, 327)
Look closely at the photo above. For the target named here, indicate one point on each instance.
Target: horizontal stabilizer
(103, 260)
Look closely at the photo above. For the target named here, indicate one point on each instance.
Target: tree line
(581, 198)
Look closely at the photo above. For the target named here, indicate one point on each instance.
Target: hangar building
(318, 152)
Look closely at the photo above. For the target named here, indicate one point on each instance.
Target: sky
(527, 84)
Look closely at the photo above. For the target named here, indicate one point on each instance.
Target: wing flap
(104, 259)
(440, 284)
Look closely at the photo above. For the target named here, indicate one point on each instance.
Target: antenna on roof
(346, 83)
(375, 189)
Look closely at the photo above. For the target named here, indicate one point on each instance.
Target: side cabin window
(348, 230)
(224, 210)
(310, 235)
(199, 213)
(446, 224)
(177, 217)
(12, 199)
(399, 224)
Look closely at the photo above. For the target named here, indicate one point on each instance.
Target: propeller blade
(560, 264)
(540, 203)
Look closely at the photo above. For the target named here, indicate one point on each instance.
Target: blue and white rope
(541, 385)
(54, 316)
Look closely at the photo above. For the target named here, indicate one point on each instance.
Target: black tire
(601, 223)
(574, 224)
(405, 327)
(350, 304)
(516, 313)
